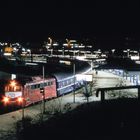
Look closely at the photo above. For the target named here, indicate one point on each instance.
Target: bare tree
(88, 89)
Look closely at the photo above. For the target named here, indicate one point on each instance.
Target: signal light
(42, 90)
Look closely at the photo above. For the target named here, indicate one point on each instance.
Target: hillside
(115, 119)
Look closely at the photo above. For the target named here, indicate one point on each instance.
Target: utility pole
(43, 91)
(23, 105)
(74, 76)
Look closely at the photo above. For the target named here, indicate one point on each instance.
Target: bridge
(102, 91)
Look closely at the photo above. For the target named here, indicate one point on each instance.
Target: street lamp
(50, 43)
(68, 42)
(128, 50)
(113, 50)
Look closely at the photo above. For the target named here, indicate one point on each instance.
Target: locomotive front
(13, 92)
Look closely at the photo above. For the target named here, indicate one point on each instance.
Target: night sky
(36, 20)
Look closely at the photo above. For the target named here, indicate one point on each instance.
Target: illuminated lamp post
(68, 42)
(128, 54)
(113, 50)
(50, 42)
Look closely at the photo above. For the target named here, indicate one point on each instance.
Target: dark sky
(35, 20)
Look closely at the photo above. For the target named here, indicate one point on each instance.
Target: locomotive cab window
(50, 83)
(13, 88)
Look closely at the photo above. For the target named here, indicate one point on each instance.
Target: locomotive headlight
(5, 99)
(20, 99)
(12, 83)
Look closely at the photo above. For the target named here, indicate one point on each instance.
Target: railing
(102, 91)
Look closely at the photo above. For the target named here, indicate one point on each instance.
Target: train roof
(79, 69)
(59, 70)
(27, 79)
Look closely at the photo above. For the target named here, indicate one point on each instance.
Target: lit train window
(60, 84)
(67, 82)
(38, 86)
(13, 88)
(64, 83)
(72, 80)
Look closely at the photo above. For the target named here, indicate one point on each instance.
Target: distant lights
(2, 44)
(28, 50)
(17, 44)
(14, 48)
(23, 49)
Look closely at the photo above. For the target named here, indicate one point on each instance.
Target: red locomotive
(29, 90)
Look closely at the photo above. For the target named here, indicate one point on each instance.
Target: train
(32, 89)
(28, 90)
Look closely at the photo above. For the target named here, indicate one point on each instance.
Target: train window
(18, 88)
(32, 86)
(72, 80)
(60, 84)
(64, 83)
(35, 86)
(13, 88)
(67, 82)
(38, 86)
(42, 85)
(49, 83)
(46, 84)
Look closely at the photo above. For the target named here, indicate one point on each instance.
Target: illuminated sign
(13, 94)
(84, 77)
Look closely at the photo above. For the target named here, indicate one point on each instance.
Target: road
(102, 79)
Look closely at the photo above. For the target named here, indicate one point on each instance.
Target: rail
(102, 91)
